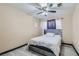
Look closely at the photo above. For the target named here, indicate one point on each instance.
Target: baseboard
(75, 50)
(72, 46)
(13, 49)
(66, 44)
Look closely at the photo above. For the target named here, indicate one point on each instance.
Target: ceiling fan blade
(39, 12)
(52, 11)
(60, 4)
(38, 8)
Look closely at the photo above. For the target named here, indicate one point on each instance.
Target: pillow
(50, 34)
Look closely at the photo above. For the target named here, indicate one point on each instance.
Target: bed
(48, 44)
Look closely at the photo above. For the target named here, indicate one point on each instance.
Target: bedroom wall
(75, 28)
(67, 28)
(16, 27)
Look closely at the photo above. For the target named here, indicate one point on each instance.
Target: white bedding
(50, 42)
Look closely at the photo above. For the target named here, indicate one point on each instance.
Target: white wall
(16, 27)
(67, 28)
(75, 28)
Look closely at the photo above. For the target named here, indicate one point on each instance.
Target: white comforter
(52, 43)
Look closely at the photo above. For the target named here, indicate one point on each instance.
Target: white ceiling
(67, 8)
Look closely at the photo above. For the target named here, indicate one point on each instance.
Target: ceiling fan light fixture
(45, 13)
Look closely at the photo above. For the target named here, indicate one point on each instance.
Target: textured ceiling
(67, 8)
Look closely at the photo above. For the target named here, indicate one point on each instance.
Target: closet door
(51, 24)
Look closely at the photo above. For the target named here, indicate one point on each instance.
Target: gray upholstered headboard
(56, 31)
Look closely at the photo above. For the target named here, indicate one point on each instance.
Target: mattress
(52, 43)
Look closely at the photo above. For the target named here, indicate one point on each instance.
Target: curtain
(51, 24)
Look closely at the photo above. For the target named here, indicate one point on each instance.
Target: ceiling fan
(46, 8)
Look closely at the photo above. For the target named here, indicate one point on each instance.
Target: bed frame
(41, 50)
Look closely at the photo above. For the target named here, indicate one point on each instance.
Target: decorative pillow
(50, 34)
